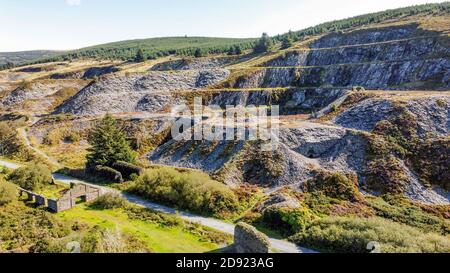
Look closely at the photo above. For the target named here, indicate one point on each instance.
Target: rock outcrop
(139, 92)
(432, 114)
(248, 240)
(194, 64)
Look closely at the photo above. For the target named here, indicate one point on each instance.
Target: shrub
(352, 235)
(53, 138)
(26, 227)
(402, 211)
(8, 192)
(110, 201)
(386, 175)
(334, 108)
(106, 174)
(127, 169)
(11, 145)
(335, 185)
(431, 161)
(441, 103)
(25, 85)
(359, 89)
(73, 137)
(189, 190)
(287, 220)
(104, 241)
(32, 177)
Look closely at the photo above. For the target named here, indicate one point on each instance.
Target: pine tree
(140, 57)
(265, 44)
(198, 53)
(237, 50)
(287, 42)
(109, 144)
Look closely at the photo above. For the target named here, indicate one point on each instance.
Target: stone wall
(80, 190)
(249, 240)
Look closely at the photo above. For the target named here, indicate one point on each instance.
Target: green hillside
(157, 47)
(372, 18)
(190, 46)
(17, 58)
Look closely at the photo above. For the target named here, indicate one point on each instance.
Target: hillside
(18, 58)
(364, 126)
(156, 47)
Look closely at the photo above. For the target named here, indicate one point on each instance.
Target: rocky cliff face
(144, 92)
(403, 57)
(291, 101)
(194, 64)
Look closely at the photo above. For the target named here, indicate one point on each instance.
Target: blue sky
(70, 24)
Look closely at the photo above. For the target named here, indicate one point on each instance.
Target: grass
(53, 191)
(68, 154)
(157, 238)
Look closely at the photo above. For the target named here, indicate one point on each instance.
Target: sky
(72, 24)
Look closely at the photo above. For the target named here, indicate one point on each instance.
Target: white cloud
(73, 2)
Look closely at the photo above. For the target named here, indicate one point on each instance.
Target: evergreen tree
(198, 53)
(265, 44)
(109, 144)
(287, 41)
(140, 57)
(238, 50)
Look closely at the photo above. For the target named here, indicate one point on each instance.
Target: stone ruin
(249, 240)
(86, 192)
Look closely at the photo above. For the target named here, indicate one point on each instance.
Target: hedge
(127, 169)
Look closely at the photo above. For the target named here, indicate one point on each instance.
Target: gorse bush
(110, 201)
(188, 190)
(32, 177)
(352, 235)
(402, 211)
(11, 145)
(335, 185)
(287, 220)
(54, 137)
(26, 227)
(8, 192)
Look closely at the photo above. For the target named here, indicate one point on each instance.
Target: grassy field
(157, 238)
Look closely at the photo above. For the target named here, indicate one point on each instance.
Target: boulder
(248, 240)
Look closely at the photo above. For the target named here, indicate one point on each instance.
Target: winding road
(280, 246)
